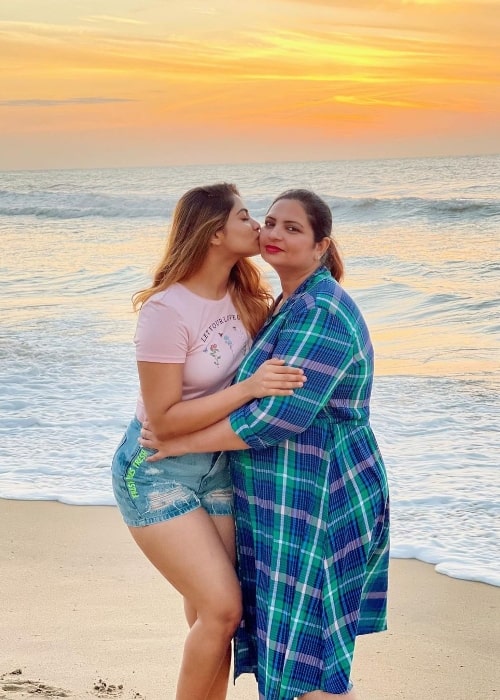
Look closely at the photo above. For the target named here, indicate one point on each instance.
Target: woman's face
(287, 238)
(241, 232)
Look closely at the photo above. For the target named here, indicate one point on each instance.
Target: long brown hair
(198, 215)
(320, 217)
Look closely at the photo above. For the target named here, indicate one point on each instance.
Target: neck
(292, 279)
(211, 280)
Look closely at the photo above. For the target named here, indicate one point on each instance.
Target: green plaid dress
(311, 501)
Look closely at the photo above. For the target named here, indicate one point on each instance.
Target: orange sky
(100, 83)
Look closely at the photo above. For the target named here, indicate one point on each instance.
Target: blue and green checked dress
(311, 500)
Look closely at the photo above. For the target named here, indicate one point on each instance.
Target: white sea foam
(69, 205)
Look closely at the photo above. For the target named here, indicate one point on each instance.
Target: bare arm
(219, 436)
(318, 341)
(169, 416)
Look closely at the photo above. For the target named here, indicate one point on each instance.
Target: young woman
(195, 324)
(311, 498)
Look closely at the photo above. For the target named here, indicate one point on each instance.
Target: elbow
(164, 435)
(160, 430)
(274, 435)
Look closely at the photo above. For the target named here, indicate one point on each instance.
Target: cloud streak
(34, 102)
(98, 19)
(351, 68)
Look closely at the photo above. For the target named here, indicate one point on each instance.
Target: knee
(231, 613)
(226, 613)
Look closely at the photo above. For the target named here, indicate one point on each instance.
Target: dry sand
(83, 614)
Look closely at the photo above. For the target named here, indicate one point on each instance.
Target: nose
(274, 232)
(255, 225)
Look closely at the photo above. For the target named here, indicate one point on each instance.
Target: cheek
(251, 243)
(263, 237)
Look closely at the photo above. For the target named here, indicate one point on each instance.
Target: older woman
(311, 494)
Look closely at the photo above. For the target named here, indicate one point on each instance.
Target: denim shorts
(151, 492)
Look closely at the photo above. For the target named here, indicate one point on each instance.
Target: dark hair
(320, 217)
(198, 215)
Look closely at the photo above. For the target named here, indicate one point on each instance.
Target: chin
(271, 259)
(252, 253)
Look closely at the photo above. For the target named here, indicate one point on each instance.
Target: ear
(323, 246)
(218, 237)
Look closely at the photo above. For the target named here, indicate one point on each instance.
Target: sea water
(420, 238)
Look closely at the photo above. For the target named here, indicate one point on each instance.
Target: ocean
(420, 238)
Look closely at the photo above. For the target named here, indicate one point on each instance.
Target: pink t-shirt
(204, 335)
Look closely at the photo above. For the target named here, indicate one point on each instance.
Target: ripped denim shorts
(150, 492)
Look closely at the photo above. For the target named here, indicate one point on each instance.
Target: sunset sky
(96, 83)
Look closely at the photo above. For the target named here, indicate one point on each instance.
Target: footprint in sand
(107, 690)
(15, 687)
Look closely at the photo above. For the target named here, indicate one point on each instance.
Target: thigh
(225, 528)
(224, 524)
(189, 551)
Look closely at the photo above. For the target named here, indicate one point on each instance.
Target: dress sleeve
(161, 335)
(321, 343)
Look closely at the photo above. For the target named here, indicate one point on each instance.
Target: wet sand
(83, 614)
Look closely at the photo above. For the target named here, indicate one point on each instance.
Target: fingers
(279, 367)
(146, 440)
(148, 444)
(279, 387)
(284, 382)
(284, 373)
(282, 386)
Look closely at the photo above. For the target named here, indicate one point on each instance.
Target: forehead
(289, 210)
(237, 204)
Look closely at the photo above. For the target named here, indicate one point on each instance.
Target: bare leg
(225, 527)
(218, 691)
(189, 552)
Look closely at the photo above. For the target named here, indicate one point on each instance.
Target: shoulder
(164, 306)
(174, 297)
(326, 294)
(328, 299)
(166, 296)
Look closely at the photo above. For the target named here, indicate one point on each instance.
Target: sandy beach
(83, 614)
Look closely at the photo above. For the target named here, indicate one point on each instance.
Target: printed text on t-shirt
(215, 324)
